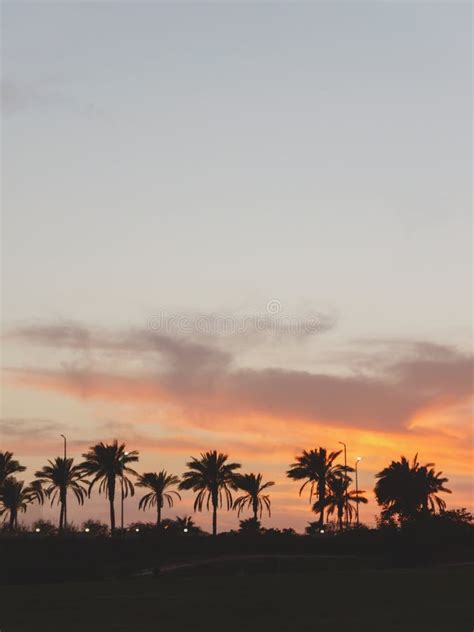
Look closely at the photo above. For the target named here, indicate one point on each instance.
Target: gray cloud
(28, 427)
(203, 382)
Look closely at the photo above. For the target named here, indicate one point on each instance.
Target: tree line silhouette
(403, 490)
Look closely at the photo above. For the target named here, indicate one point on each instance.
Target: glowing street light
(137, 529)
(87, 529)
(37, 529)
(185, 529)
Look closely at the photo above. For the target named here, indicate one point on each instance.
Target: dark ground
(434, 600)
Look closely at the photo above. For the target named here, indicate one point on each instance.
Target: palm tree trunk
(61, 515)
(158, 513)
(214, 518)
(112, 515)
(255, 509)
(12, 519)
(111, 490)
(340, 513)
(321, 498)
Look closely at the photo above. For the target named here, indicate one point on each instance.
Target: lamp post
(65, 488)
(122, 493)
(359, 458)
(345, 480)
(65, 446)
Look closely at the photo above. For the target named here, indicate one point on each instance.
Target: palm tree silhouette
(317, 468)
(9, 466)
(408, 490)
(339, 497)
(185, 524)
(253, 498)
(431, 483)
(106, 462)
(158, 483)
(212, 478)
(15, 497)
(58, 477)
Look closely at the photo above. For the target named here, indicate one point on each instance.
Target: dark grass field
(384, 600)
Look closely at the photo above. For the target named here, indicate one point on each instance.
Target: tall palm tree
(339, 497)
(58, 477)
(158, 483)
(407, 490)
(253, 498)
(15, 497)
(9, 466)
(106, 462)
(212, 478)
(316, 468)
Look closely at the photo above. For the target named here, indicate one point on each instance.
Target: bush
(250, 525)
(44, 527)
(95, 527)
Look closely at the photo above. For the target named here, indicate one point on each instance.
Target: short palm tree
(58, 477)
(340, 498)
(104, 463)
(158, 483)
(185, 524)
(253, 498)
(316, 468)
(9, 466)
(408, 490)
(15, 497)
(212, 478)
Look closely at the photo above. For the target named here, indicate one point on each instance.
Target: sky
(238, 226)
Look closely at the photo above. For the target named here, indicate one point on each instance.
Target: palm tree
(253, 498)
(185, 524)
(212, 478)
(158, 483)
(431, 483)
(58, 477)
(15, 497)
(316, 468)
(106, 462)
(407, 490)
(9, 466)
(339, 497)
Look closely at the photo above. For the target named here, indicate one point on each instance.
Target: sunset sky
(238, 226)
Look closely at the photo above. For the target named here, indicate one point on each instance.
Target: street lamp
(87, 529)
(65, 446)
(65, 489)
(345, 481)
(37, 529)
(359, 458)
